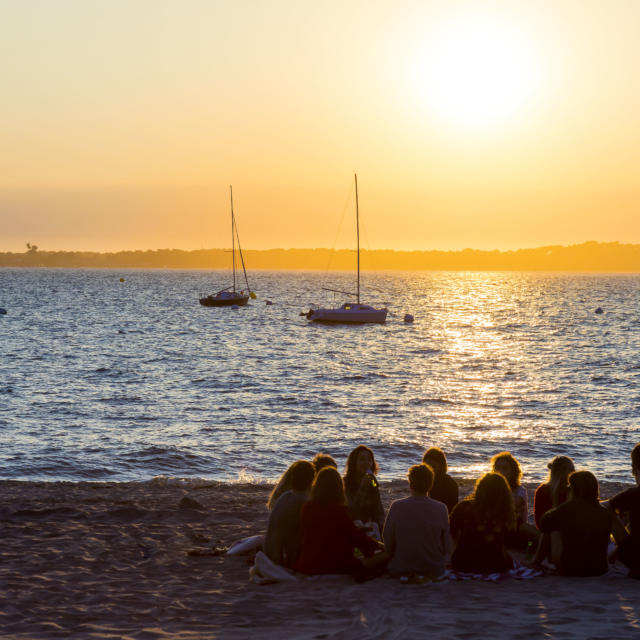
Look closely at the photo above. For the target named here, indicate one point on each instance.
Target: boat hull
(349, 314)
(226, 301)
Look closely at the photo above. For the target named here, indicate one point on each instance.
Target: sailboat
(229, 296)
(349, 312)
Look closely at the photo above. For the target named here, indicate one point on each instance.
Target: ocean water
(109, 380)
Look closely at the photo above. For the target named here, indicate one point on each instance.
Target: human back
(416, 531)
(328, 535)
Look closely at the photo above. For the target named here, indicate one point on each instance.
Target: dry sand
(110, 560)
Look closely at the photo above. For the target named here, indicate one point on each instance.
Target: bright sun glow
(477, 72)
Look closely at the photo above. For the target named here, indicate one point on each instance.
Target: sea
(120, 375)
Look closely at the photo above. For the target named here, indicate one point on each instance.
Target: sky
(490, 125)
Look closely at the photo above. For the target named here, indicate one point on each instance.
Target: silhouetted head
(420, 478)
(508, 466)
(494, 500)
(360, 461)
(284, 484)
(560, 468)
(436, 459)
(328, 487)
(302, 475)
(584, 486)
(321, 460)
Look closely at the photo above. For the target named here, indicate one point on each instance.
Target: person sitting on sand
(628, 502)
(361, 486)
(321, 460)
(585, 528)
(282, 542)
(416, 531)
(445, 488)
(283, 485)
(479, 527)
(329, 537)
(523, 532)
(555, 490)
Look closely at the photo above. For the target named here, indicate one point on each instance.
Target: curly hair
(494, 500)
(515, 472)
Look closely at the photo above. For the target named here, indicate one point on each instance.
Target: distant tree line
(588, 256)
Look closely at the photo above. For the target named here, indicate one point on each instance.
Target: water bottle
(529, 554)
(372, 478)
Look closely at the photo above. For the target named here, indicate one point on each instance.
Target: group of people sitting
(323, 523)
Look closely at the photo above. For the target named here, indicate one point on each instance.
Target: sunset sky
(491, 125)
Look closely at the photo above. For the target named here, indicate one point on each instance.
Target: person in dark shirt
(479, 527)
(328, 535)
(555, 490)
(585, 528)
(361, 488)
(282, 542)
(628, 502)
(445, 488)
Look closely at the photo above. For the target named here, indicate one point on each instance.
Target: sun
(477, 72)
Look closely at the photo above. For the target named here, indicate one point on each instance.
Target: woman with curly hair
(328, 535)
(523, 532)
(480, 525)
(509, 467)
(361, 487)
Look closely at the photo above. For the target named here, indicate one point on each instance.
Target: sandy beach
(146, 560)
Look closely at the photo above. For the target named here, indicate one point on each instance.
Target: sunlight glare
(477, 72)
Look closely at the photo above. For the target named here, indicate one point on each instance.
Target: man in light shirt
(416, 531)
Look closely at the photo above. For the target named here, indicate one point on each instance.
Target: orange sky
(485, 125)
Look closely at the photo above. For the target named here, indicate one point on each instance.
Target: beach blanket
(519, 572)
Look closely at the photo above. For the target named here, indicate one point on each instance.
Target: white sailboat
(229, 296)
(350, 312)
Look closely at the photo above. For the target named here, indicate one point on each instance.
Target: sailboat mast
(233, 245)
(358, 233)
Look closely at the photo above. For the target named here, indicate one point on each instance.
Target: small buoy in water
(235, 306)
(599, 310)
(268, 302)
(121, 279)
(3, 312)
(408, 317)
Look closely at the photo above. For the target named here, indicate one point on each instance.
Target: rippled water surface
(102, 379)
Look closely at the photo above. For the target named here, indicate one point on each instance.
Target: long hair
(494, 500)
(514, 474)
(436, 455)
(559, 469)
(351, 476)
(284, 484)
(328, 487)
